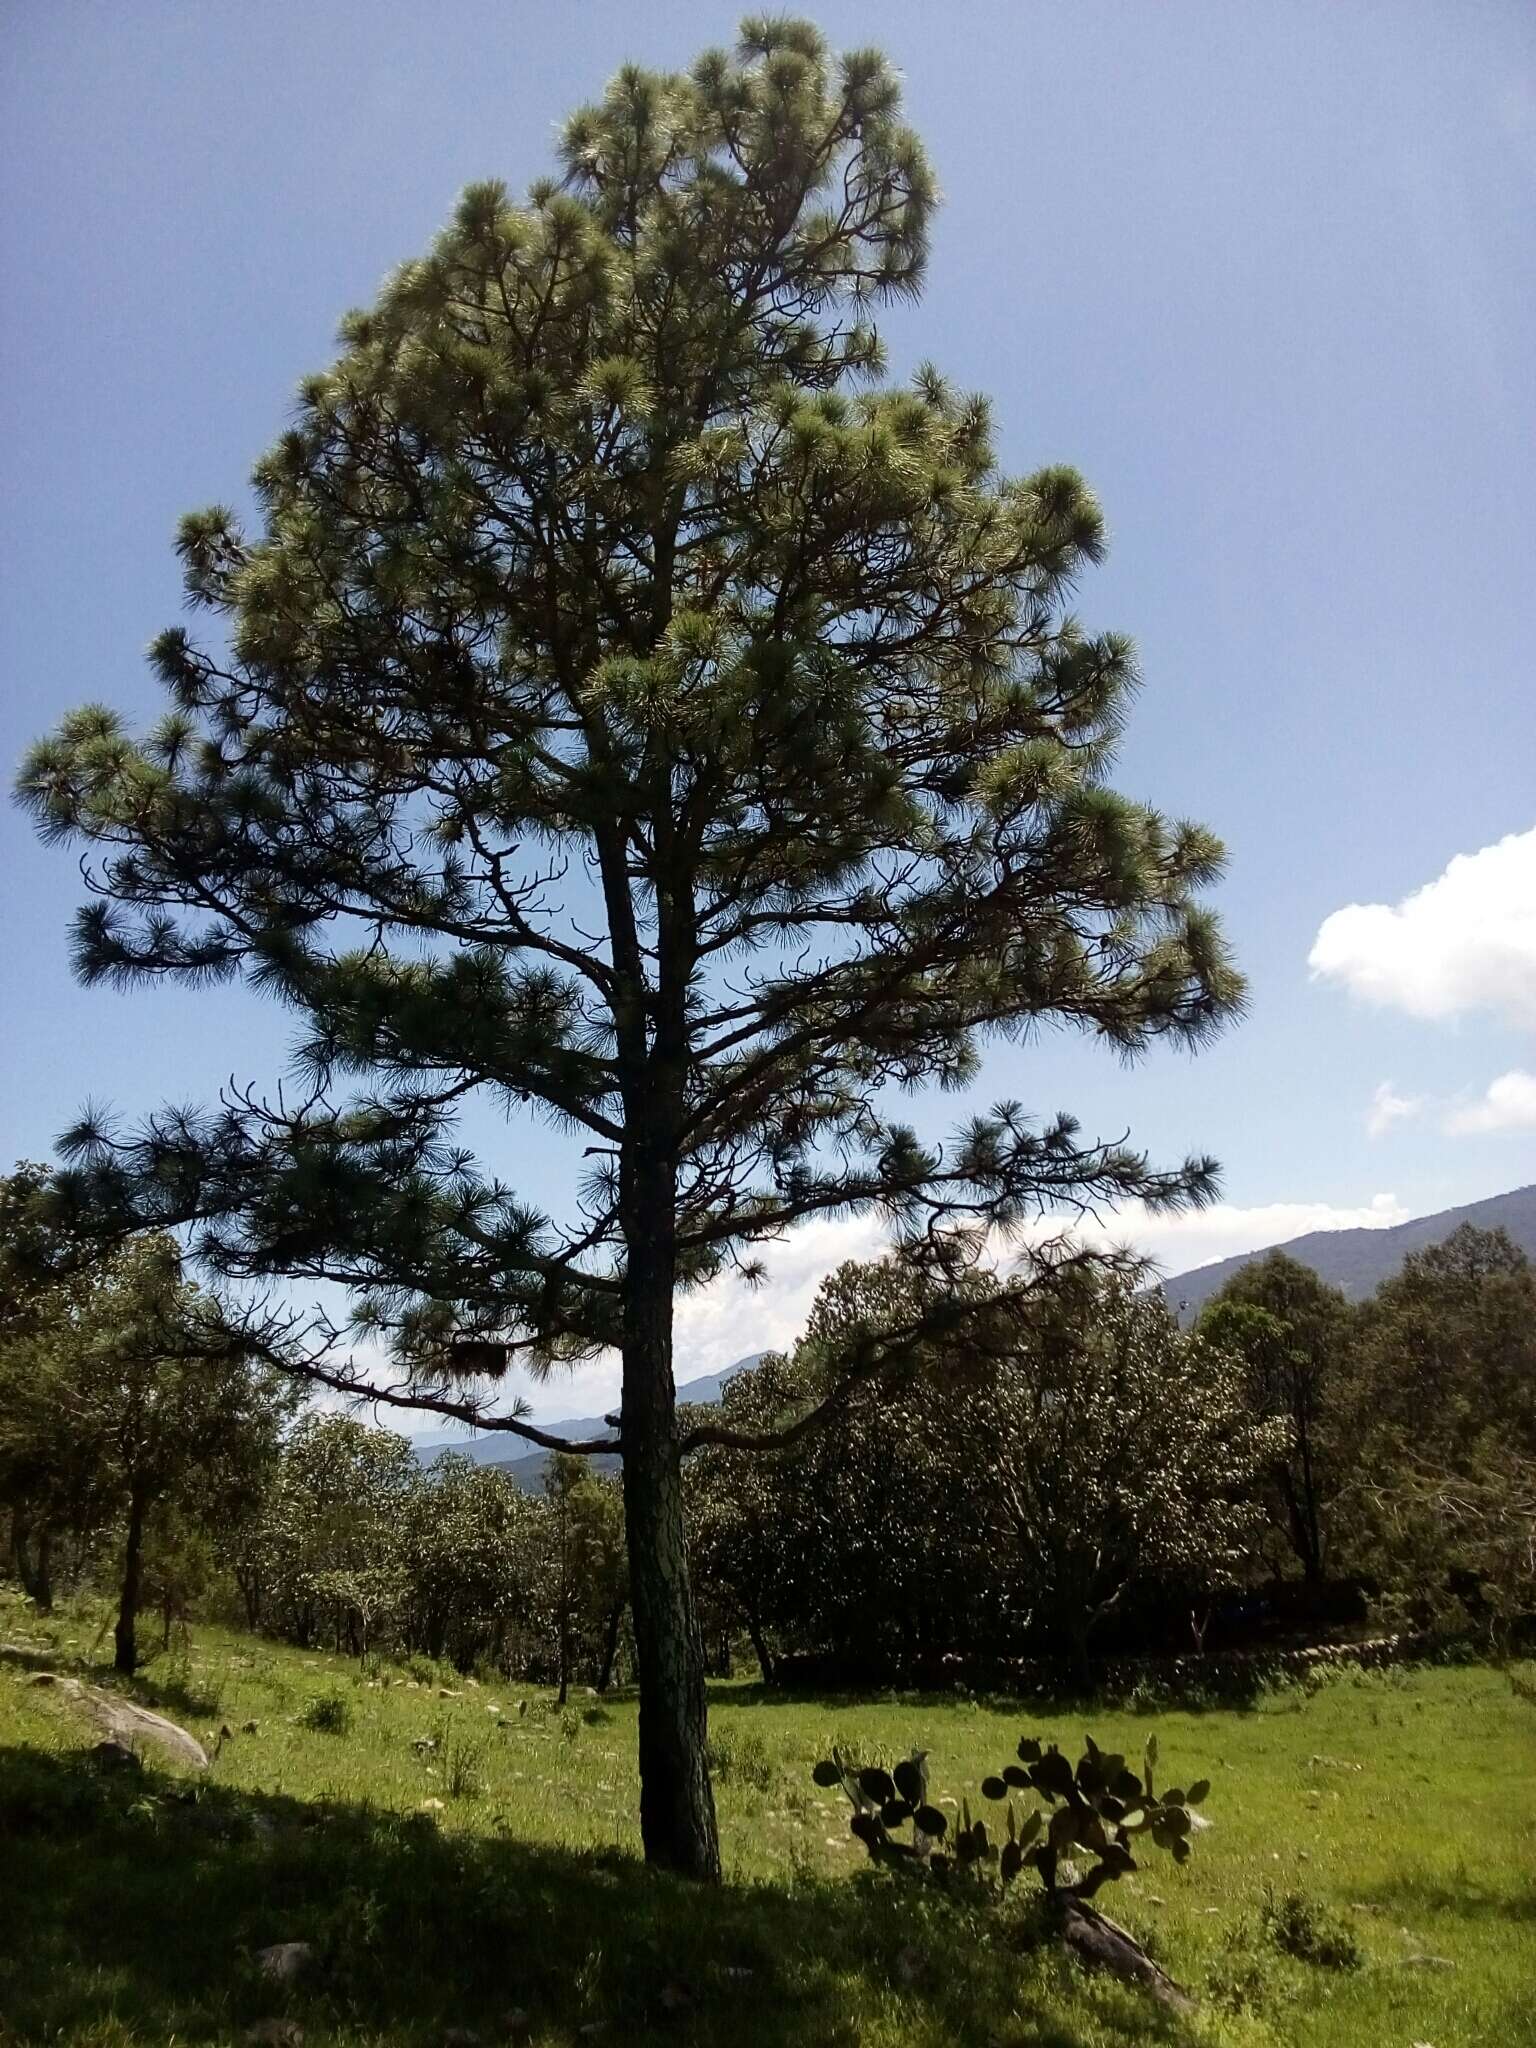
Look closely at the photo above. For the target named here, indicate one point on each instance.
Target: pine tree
(635, 707)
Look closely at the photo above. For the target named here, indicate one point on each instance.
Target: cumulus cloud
(729, 1319)
(1200, 1237)
(1464, 942)
(1508, 1104)
(1389, 1108)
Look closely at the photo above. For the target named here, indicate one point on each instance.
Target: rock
(446, 1692)
(516, 2023)
(1428, 1963)
(274, 2034)
(44, 1678)
(460, 2037)
(430, 1806)
(115, 1756)
(250, 1727)
(120, 1721)
(285, 1960)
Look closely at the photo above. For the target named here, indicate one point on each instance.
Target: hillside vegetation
(462, 1858)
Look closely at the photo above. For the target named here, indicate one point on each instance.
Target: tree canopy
(630, 705)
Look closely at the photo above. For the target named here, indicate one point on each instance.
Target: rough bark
(126, 1657)
(677, 1808)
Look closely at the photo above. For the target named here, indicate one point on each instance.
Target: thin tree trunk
(127, 1651)
(611, 1646)
(760, 1647)
(677, 1807)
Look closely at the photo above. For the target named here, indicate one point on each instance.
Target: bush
(328, 1713)
(741, 1759)
(1306, 1929)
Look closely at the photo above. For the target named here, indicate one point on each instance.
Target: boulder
(132, 1727)
(285, 1960)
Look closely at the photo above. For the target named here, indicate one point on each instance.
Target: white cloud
(1200, 1237)
(1389, 1108)
(1509, 1104)
(1464, 942)
(728, 1319)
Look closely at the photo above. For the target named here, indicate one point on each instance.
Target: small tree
(326, 1557)
(1291, 1333)
(136, 1398)
(633, 708)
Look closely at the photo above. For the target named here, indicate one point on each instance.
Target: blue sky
(1264, 273)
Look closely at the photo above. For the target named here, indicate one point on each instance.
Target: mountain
(491, 1446)
(1359, 1260)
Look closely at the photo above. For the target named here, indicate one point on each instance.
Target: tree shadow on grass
(1411, 1896)
(135, 1906)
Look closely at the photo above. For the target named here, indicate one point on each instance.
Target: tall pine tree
(633, 707)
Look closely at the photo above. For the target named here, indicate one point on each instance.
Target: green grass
(449, 1887)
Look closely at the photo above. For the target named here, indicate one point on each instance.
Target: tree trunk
(760, 1647)
(126, 1658)
(34, 1572)
(677, 1807)
(611, 1646)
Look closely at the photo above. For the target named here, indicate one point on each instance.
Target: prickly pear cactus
(1097, 1810)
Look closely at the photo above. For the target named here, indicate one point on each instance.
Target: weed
(460, 1758)
(328, 1713)
(741, 1758)
(1305, 1928)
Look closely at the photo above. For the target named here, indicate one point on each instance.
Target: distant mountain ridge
(527, 1466)
(1357, 1261)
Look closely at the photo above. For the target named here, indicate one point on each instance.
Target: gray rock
(134, 1727)
(285, 1960)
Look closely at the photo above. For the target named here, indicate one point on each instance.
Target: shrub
(741, 1759)
(1306, 1929)
(328, 1713)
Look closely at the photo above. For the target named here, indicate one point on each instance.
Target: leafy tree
(1123, 1457)
(1442, 1418)
(474, 1552)
(137, 1398)
(634, 708)
(1020, 1482)
(325, 1560)
(1292, 1333)
(49, 1481)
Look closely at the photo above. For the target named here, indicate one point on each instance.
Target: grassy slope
(1405, 1801)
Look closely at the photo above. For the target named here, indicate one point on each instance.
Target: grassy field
(487, 1886)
